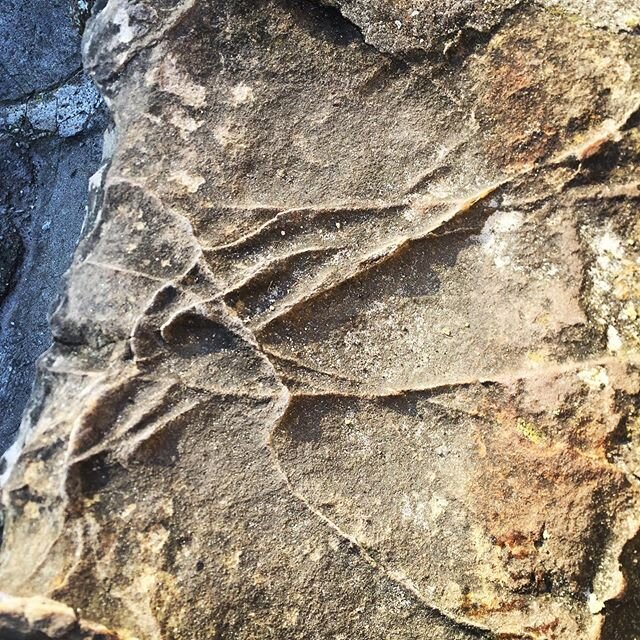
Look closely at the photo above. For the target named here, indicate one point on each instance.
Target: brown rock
(352, 351)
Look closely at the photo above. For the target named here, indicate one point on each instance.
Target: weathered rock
(406, 25)
(39, 618)
(51, 124)
(36, 54)
(352, 349)
(414, 25)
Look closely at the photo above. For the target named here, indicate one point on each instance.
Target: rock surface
(51, 123)
(36, 618)
(352, 349)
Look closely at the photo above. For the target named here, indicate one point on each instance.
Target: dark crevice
(622, 615)
(30, 95)
(341, 28)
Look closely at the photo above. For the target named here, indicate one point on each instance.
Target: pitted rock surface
(352, 350)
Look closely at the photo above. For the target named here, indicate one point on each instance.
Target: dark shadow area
(622, 619)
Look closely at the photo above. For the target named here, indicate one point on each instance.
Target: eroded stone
(352, 349)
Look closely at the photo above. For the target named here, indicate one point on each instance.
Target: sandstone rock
(352, 348)
(39, 618)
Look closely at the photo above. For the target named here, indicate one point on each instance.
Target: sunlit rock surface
(352, 350)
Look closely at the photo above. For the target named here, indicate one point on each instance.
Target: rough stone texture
(36, 618)
(36, 54)
(437, 25)
(352, 348)
(407, 25)
(51, 124)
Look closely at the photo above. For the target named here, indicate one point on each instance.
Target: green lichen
(530, 431)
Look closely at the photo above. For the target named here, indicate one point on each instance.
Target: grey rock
(39, 46)
(421, 25)
(65, 111)
(51, 123)
(49, 215)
